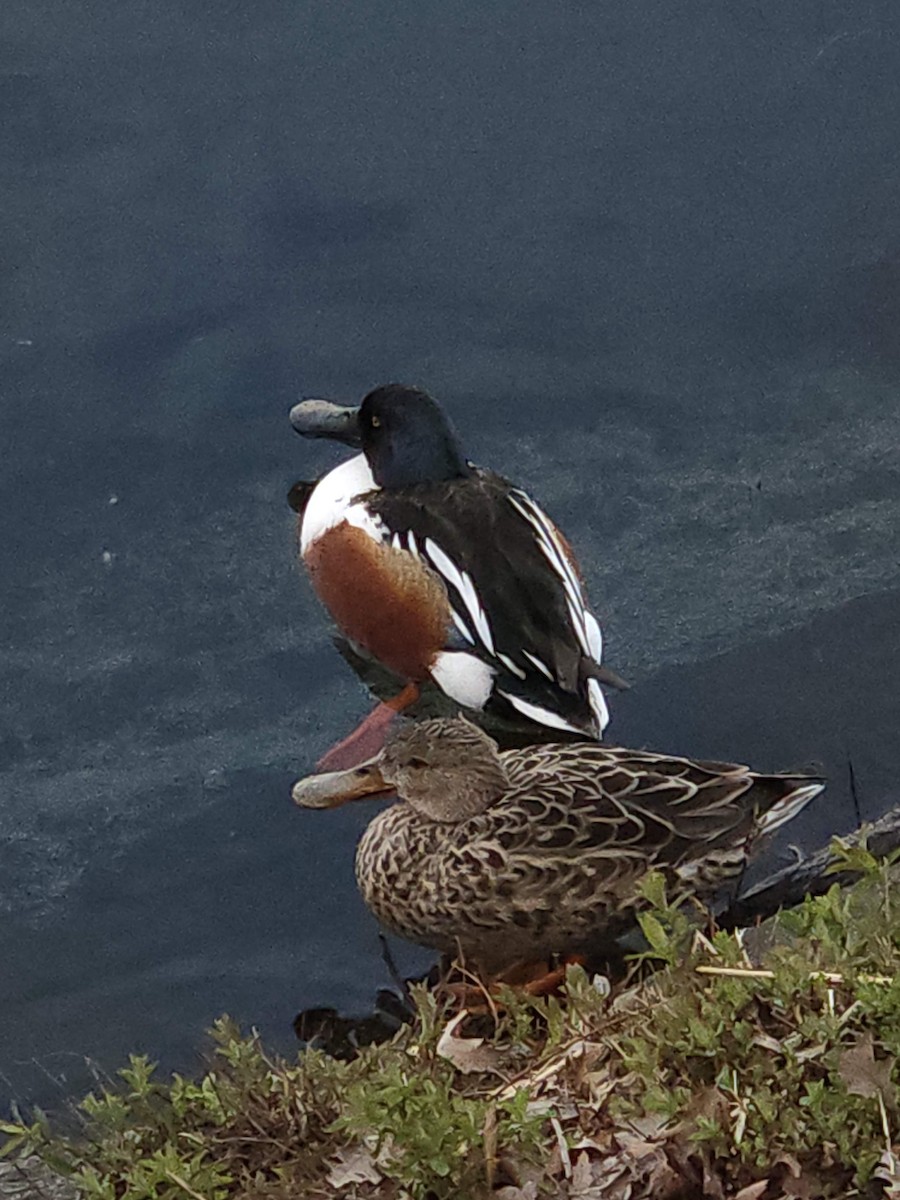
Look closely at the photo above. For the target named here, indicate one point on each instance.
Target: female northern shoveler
(511, 857)
(445, 573)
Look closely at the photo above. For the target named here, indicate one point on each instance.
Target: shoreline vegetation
(755, 1064)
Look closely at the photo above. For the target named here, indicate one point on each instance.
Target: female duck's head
(447, 770)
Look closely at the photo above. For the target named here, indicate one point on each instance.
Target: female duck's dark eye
(417, 762)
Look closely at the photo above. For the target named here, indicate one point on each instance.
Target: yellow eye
(376, 421)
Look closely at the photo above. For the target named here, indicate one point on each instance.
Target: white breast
(334, 500)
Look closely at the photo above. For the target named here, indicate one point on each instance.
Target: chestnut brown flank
(383, 599)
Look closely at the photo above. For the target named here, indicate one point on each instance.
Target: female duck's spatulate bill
(446, 573)
(512, 856)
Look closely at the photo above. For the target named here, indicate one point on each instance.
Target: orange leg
(368, 738)
(551, 980)
(528, 978)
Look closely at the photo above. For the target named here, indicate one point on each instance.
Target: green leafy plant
(735, 1064)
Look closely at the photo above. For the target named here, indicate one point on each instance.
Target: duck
(513, 856)
(446, 575)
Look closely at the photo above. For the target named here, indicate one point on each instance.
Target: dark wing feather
(488, 539)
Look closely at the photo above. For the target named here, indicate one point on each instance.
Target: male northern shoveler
(445, 573)
(513, 856)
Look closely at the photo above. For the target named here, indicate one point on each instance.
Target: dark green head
(403, 432)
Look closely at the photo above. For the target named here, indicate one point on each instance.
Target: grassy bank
(727, 1072)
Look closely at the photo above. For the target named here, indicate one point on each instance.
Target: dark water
(649, 258)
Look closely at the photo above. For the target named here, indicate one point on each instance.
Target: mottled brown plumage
(516, 855)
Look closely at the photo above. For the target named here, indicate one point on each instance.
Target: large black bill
(323, 419)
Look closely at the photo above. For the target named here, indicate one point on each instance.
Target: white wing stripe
(478, 614)
(570, 583)
(548, 541)
(461, 626)
(553, 551)
(540, 664)
(543, 716)
(510, 665)
(548, 537)
(465, 590)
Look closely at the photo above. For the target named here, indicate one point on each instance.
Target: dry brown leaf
(790, 1162)
(353, 1164)
(600, 1084)
(650, 1164)
(766, 1042)
(469, 1055)
(582, 1181)
(811, 1052)
(796, 1181)
(600, 1144)
(564, 1156)
(639, 1170)
(607, 1180)
(636, 1147)
(593, 1053)
(887, 1172)
(540, 1107)
(713, 1187)
(708, 1102)
(801, 1189)
(554, 1164)
(752, 1191)
(862, 1073)
(813, 1182)
(650, 1126)
(564, 1108)
(528, 1192)
(542, 1074)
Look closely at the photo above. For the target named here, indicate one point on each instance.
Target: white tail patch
(463, 677)
(785, 810)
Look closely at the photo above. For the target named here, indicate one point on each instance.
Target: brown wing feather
(675, 809)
